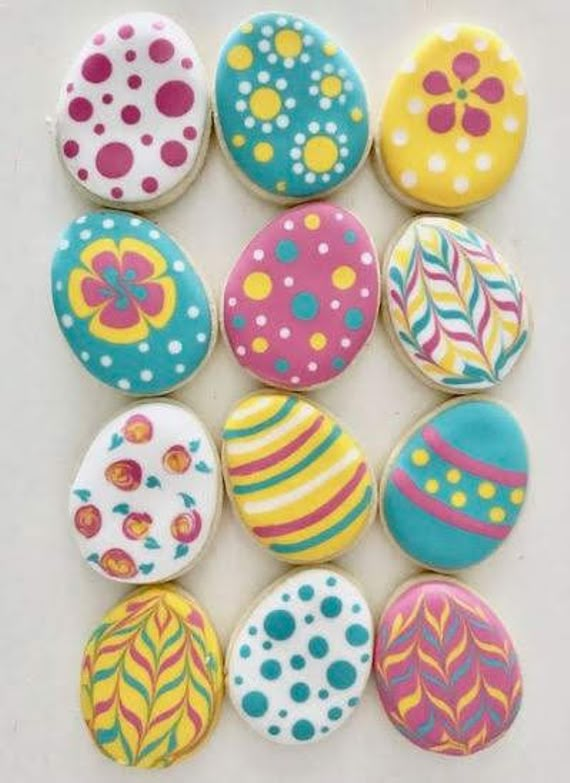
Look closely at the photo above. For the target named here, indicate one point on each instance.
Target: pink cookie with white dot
(302, 300)
(133, 119)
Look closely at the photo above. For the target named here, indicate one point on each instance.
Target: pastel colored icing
(302, 300)
(453, 489)
(298, 663)
(299, 482)
(133, 118)
(446, 669)
(147, 494)
(291, 108)
(152, 678)
(130, 303)
(455, 309)
(454, 121)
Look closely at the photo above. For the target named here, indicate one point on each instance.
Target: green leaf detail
(146, 568)
(82, 494)
(203, 467)
(181, 550)
(194, 445)
(152, 482)
(116, 441)
(121, 508)
(151, 543)
(93, 558)
(187, 499)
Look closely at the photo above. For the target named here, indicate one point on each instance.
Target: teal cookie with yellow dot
(291, 109)
(453, 489)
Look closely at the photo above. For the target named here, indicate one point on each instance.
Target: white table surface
(50, 408)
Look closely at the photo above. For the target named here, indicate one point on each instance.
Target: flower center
(462, 94)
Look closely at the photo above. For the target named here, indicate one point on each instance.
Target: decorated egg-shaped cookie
(147, 495)
(453, 488)
(133, 118)
(455, 310)
(446, 669)
(298, 663)
(454, 121)
(290, 107)
(130, 303)
(302, 300)
(298, 481)
(152, 678)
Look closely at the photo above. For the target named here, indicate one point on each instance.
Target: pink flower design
(475, 120)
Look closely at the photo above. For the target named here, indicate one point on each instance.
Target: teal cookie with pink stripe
(453, 491)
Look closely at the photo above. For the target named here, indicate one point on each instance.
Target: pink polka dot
(98, 39)
(186, 62)
(69, 87)
(158, 25)
(82, 174)
(190, 133)
(70, 149)
(97, 68)
(114, 160)
(107, 98)
(173, 99)
(130, 115)
(126, 31)
(99, 129)
(117, 192)
(146, 139)
(149, 185)
(161, 50)
(173, 153)
(134, 81)
(80, 109)
(130, 55)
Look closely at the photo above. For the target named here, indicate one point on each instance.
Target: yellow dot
(497, 514)
(331, 86)
(259, 345)
(263, 152)
(517, 496)
(486, 490)
(343, 277)
(238, 140)
(458, 499)
(240, 57)
(281, 186)
(318, 341)
(265, 103)
(288, 43)
(356, 114)
(312, 221)
(257, 285)
(320, 154)
(420, 457)
(329, 48)
(453, 476)
(432, 486)
(247, 27)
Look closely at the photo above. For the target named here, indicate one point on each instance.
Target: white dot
(519, 88)
(85, 234)
(266, 127)
(106, 361)
(135, 222)
(339, 216)
(288, 62)
(81, 219)
(326, 177)
(305, 58)
(483, 162)
(124, 384)
(325, 103)
(284, 333)
(298, 168)
(232, 301)
(298, 25)
(154, 234)
(201, 337)
(267, 30)
(264, 46)
(400, 137)
(408, 67)
(241, 105)
(366, 258)
(448, 32)
(335, 304)
(59, 286)
(312, 367)
(179, 368)
(178, 266)
(314, 127)
(174, 346)
(331, 127)
(300, 138)
(282, 121)
(146, 375)
(84, 356)
(244, 88)
(345, 342)
(365, 293)
(240, 350)
(258, 254)
(249, 122)
(282, 21)
(511, 124)
(461, 184)
(295, 153)
(409, 178)
(462, 144)
(343, 152)
(415, 105)
(481, 44)
(66, 320)
(64, 244)
(288, 225)
(263, 77)
(108, 223)
(437, 164)
(308, 40)
(281, 84)
(315, 75)
(144, 347)
(310, 177)
(261, 320)
(295, 379)
(290, 103)
(323, 248)
(272, 58)
(505, 54)
(193, 311)
(339, 167)
(288, 282)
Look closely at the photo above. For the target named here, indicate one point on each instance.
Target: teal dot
(353, 701)
(331, 581)
(356, 608)
(305, 306)
(254, 704)
(350, 237)
(286, 251)
(357, 635)
(300, 692)
(323, 694)
(297, 662)
(238, 321)
(318, 647)
(267, 645)
(331, 606)
(281, 365)
(274, 730)
(282, 713)
(341, 675)
(285, 597)
(271, 670)
(245, 651)
(252, 630)
(365, 658)
(335, 713)
(338, 363)
(309, 618)
(279, 624)
(354, 318)
(306, 592)
(238, 680)
(303, 730)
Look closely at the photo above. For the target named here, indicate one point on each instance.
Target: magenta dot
(190, 133)
(98, 39)
(130, 55)
(161, 50)
(173, 99)
(173, 153)
(107, 98)
(117, 192)
(80, 109)
(149, 184)
(114, 160)
(158, 25)
(146, 139)
(70, 149)
(69, 87)
(82, 174)
(99, 129)
(126, 31)
(134, 81)
(97, 68)
(186, 62)
(130, 115)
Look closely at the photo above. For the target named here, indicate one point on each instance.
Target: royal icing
(446, 670)
(133, 118)
(453, 490)
(299, 662)
(147, 494)
(291, 108)
(456, 310)
(130, 304)
(152, 678)
(453, 124)
(302, 299)
(299, 482)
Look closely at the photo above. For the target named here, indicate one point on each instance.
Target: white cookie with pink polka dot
(133, 119)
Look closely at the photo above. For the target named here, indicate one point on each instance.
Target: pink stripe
(443, 513)
(511, 478)
(315, 516)
(277, 456)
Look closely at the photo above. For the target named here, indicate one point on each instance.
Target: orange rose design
(125, 474)
(177, 459)
(117, 563)
(87, 520)
(137, 429)
(136, 525)
(186, 527)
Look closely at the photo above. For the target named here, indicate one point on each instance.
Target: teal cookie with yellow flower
(291, 108)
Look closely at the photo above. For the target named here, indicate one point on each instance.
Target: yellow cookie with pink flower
(454, 121)
(147, 495)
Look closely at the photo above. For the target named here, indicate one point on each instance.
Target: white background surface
(50, 408)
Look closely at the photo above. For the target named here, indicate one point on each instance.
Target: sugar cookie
(147, 495)
(298, 662)
(453, 488)
(130, 303)
(302, 300)
(453, 124)
(290, 107)
(299, 482)
(446, 669)
(152, 678)
(133, 119)
(455, 310)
